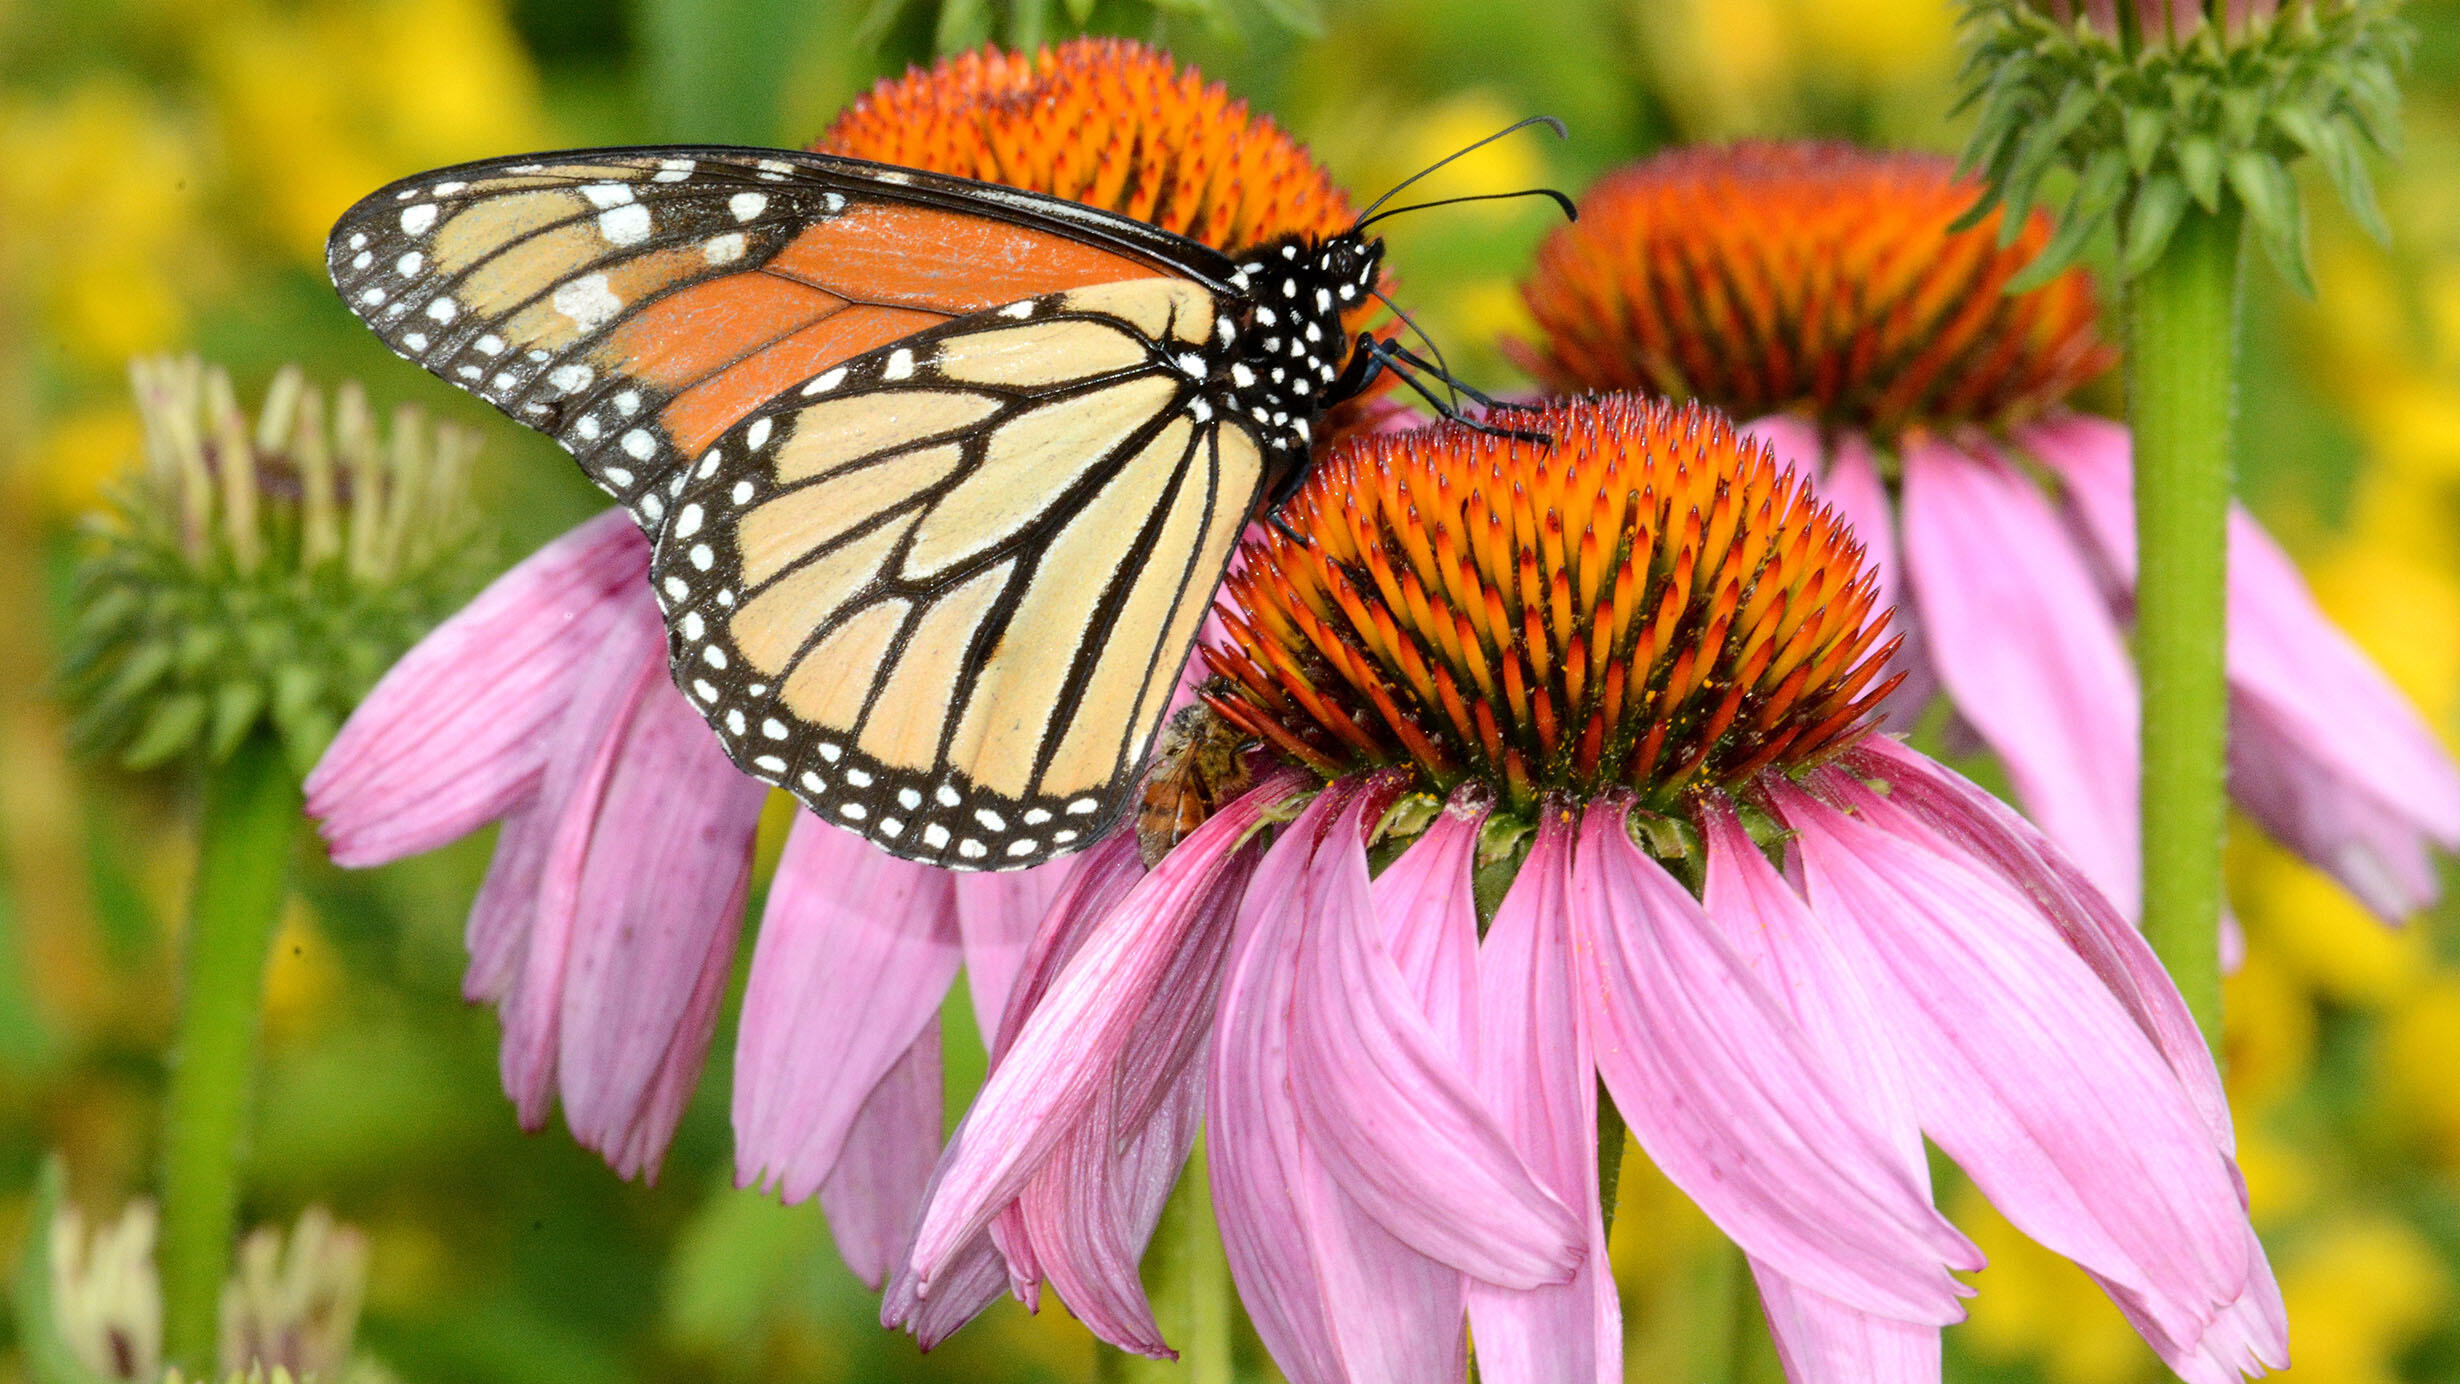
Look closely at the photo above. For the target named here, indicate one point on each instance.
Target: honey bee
(1198, 765)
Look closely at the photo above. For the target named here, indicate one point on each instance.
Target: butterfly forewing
(942, 591)
(636, 303)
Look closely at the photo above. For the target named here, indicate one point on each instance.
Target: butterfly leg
(1405, 367)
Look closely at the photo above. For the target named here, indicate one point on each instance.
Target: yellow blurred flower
(1737, 67)
(323, 104)
(2358, 1294)
(2270, 1040)
(2416, 1069)
(2321, 935)
(98, 225)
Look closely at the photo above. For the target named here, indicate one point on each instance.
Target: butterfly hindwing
(942, 591)
(633, 303)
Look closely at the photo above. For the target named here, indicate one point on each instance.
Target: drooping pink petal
(498, 933)
(1255, 1156)
(970, 1281)
(2325, 752)
(871, 1195)
(1427, 904)
(1391, 1111)
(2029, 1072)
(1334, 1295)
(2025, 643)
(1987, 832)
(656, 915)
(1086, 1020)
(1821, 1341)
(454, 735)
(856, 950)
(1090, 1210)
(1735, 1105)
(1536, 1068)
(625, 670)
(1102, 877)
(997, 914)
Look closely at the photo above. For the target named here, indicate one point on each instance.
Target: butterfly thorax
(1288, 350)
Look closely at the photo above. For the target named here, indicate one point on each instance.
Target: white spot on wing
(587, 301)
(723, 249)
(746, 205)
(416, 220)
(604, 195)
(625, 225)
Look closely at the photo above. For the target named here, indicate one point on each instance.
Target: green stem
(2182, 349)
(1189, 1284)
(251, 821)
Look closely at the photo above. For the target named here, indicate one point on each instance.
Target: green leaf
(2199, 162)
(963, 24)
(2159, 201)
(171, 727)
(1080, 11)
(2038, 153)
(146, 665)
(876, 22)
(2271, 198)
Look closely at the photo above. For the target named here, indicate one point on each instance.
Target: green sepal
(236, 705)
(2199, 162)
(2159, 202)
(2344, 162)
(170, 727)
(2271, 199)
(1079, 11)
(2103, 183)
(2144, 128)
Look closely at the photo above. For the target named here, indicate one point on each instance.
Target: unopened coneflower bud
(2159, 105)
(293, 1302)
(260, 573)
(1646, 603)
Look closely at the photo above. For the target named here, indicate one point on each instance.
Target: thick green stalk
(1189, 1282)
(2182, 350)
(251, 822)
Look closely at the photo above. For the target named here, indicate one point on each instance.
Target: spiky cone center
(1106, 122)
(1650, 602)
(1816, 278)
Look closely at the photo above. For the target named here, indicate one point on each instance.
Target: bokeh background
(167, 172)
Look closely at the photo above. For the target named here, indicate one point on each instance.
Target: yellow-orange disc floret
(1812, 277)
(1106, 122)
(1649, 601)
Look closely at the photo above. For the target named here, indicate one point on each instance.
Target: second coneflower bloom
(1826, 291)
(606, 930)
(1600, 711)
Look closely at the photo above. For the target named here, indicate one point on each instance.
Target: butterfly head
(1289, 351)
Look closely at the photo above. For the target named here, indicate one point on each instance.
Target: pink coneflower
(1600, 711)
(606, 929)
(1824, 290)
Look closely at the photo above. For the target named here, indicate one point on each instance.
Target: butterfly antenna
(1546, 120)
(1570, 212)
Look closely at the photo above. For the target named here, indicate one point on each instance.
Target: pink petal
(1790, 949)
(625, 670)
(997, 914)
(856, 950)
(1333, 1295)
(656, 914)
(872, 1193)
(1536, 1069)
(1735, 1106)
(1390, 1111)
(971, 1281)
(1090, 1211)
(1158, 951)
(454, 735)
(2031, 1075)
(2024, 641)
(1986, 832)
(2325, 752)
(1822, 1341)
(1255, 1157)
(1428, 905)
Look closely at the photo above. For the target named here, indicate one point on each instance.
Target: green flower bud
(2156, 105)
(260, 575)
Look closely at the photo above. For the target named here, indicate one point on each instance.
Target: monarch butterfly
(940, 475)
